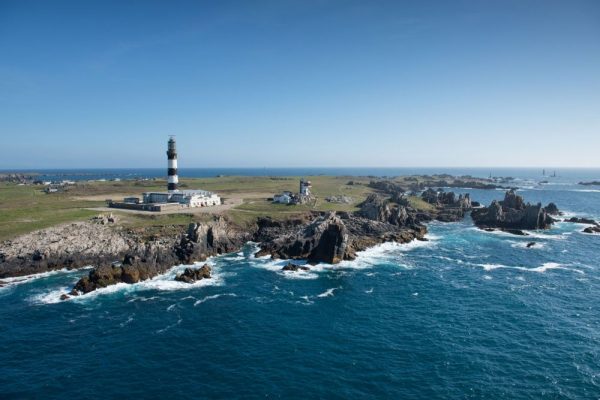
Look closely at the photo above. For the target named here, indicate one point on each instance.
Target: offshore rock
(513, 213)
(577, 220)
(592, 229)
(191, 275)
(294, 267)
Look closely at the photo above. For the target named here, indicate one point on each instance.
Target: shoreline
(387, 213)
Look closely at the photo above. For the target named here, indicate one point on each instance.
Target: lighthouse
(172, 180)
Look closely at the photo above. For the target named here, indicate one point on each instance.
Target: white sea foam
(18, 280)
(329, 292)
(541, 269)
(172, 306)
(212, 297)
(169, 326)
(369, 291)
(529, 234)
(164, 282)
(125, 323)
(585, 190)
(523, 245)
(364, 260)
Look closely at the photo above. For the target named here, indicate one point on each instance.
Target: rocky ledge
(513, 215)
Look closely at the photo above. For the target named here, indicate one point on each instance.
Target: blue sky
(300, 83)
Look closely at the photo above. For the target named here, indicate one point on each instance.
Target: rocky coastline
(122, 255)
(514, 216)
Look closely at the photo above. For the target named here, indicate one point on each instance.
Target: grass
(420, 204)
(27, 208)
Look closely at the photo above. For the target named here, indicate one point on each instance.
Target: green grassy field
(27, 208)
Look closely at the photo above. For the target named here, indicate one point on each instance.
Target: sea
(468, 314)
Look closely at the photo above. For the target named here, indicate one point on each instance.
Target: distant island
(591, 183)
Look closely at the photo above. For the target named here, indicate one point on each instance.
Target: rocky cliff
(74, 245)
(513, 213)
(201, 241)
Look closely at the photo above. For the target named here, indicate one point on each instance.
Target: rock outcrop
(294, 267)
(576, 220)
(592, 229)
(201, 240)
(323, 240)
(191, 275)
(73, 245)
(513, 214)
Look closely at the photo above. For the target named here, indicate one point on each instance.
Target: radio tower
(172, 180)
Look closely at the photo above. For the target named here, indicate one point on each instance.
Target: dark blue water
(468, 314)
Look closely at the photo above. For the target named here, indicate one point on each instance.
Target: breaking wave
(163, 282)
(541, 269)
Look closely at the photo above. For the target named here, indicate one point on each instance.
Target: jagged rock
(530, 244)
(199, 242)
(323, 240)
(552, 209)
(592, 229)
(64, 297)
(377, 208)
(191, 275)
(294, 267)
(439, 198)
(576, 220)
(72, 245)
(512, 214)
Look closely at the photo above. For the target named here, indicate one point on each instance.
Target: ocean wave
(541, 269)
(364, 259)
(169, 326)
(530, 234)
(163, 282)
(212, 297)
(127, 322)
(524, 244)
(329, 292)
(18, 280)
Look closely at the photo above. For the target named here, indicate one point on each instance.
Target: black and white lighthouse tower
(172, 179)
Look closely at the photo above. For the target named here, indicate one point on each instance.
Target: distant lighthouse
(173, 180)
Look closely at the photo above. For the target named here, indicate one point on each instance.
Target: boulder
(576, 220)
(294, 267)
(191, 275)
(592, 229)
(552, 209)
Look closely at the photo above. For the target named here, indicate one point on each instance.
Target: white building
(189, 198)
(305, 187)
(283, 198)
